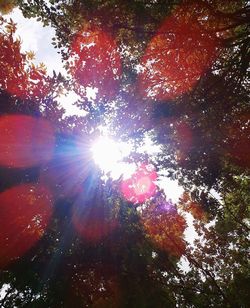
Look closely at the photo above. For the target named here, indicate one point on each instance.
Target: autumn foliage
(178, 55)
(172, 73)
(95, 62)
(18, 75)
(164, 226)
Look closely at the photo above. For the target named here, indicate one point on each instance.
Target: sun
(109, 155)
(106, 153)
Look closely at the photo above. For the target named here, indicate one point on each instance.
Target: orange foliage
(196, 210)
(165, 227)
(178, 55)
(95, 62)
(18, 76)
(187, 204)
(25, 211)
(7, 6)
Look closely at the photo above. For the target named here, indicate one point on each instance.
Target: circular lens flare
(26, 141)
(141, 186)
(25, 211)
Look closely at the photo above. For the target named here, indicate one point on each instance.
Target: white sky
(38, 39)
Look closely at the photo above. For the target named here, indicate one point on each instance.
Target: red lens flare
(177, 55)
(95, 62)
(141, 185)
(165, 227)
(94, 222)
(25, 211)
(25, 141)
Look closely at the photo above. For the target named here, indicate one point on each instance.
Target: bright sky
(38, 39)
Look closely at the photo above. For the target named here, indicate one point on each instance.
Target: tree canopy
(73, 234)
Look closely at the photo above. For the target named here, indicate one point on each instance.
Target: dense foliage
(176, 72)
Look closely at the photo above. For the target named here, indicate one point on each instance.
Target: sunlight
(109, 155)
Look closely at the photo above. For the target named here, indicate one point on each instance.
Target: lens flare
(106, 153)
(26, 141)
(25, 211)
(141, 185)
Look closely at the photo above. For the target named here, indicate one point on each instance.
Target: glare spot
(109, 156)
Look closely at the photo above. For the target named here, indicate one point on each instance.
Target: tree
(6, 6)
(174, 71)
